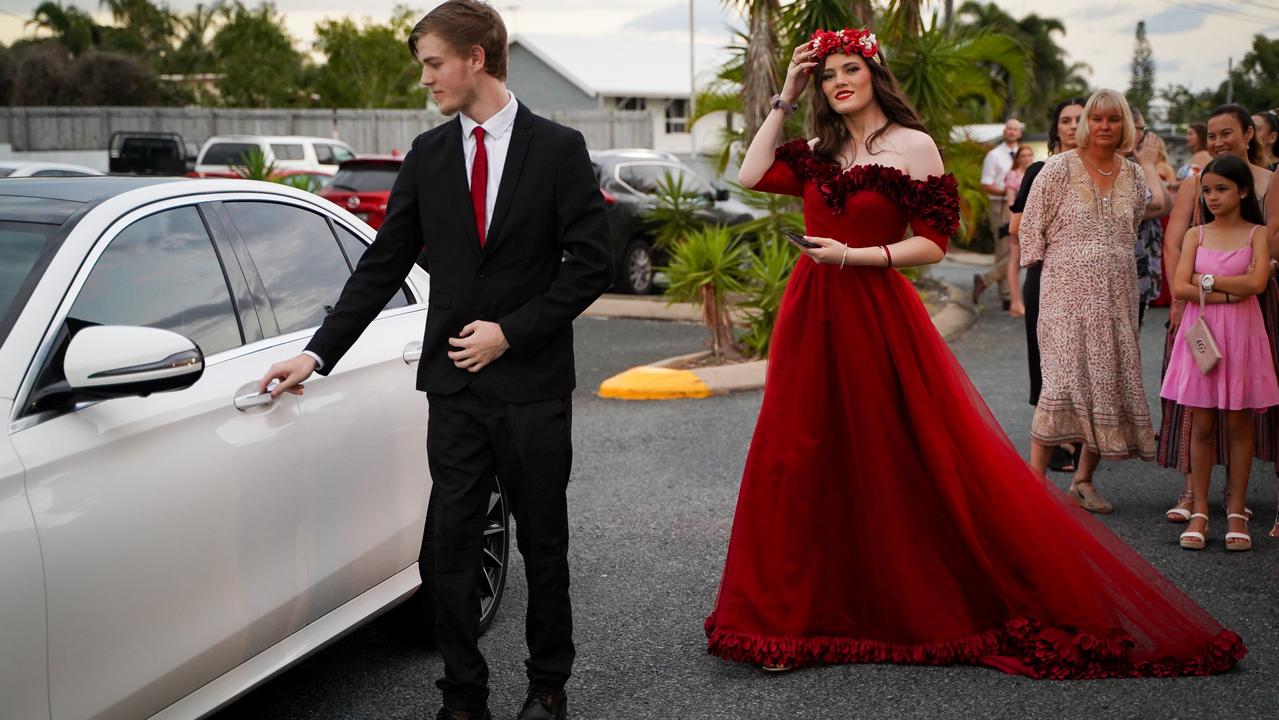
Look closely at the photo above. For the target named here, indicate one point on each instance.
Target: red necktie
(479, 181)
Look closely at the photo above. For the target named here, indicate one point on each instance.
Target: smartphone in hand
(799, 240)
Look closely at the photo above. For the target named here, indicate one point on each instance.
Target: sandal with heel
(1193, 539)
(1180, 513)
(1242, 540)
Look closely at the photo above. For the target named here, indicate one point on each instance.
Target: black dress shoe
(451, 713)
(544, 704)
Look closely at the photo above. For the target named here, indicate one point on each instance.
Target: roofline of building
(541, 55)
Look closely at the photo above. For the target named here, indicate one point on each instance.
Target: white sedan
(34, 168)
(168, 537)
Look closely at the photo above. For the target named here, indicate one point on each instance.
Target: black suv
(150, 153)
(629, 180)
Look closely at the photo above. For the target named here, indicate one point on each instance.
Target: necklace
(1098, 167)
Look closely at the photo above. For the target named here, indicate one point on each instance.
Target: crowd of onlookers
(1105, 227)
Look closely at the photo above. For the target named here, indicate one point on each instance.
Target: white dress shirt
(497, 141)
(994, 169)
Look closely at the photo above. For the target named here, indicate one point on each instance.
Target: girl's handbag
(1203, 346)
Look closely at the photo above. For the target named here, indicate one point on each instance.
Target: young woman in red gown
(884, 516)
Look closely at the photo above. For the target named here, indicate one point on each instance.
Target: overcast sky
(1192, 39)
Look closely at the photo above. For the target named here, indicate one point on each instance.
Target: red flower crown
(846, 42)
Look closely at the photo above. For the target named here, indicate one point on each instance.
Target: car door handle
(256, 399)
(412, 352)
(244, 402)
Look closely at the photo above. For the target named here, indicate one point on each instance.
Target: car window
(21, 244)
(694, 183)
(342, 153)
(227, 153)
(643, 178)
(288, 151)
(49, 173)
(6, 171)
(324, 154)
(299, 260)
(366, 177)
(163, 272)
(355, 248)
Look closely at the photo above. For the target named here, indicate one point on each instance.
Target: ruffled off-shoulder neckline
(935, 198)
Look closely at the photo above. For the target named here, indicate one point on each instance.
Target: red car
(363, 185)
(315, 179)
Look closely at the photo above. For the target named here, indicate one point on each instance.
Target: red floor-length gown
(884, 516)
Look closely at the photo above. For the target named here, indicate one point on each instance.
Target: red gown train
(884, 516)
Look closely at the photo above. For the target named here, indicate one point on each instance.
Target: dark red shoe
(544, 704)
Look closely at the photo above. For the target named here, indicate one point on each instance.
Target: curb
(967, 257)
(658, 381)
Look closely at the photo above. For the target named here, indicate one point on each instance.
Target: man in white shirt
(994, 169)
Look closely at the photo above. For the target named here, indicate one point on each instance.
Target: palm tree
(905, 20)
(759, 76)
(194, 52)
(940, 69)
(70, 26)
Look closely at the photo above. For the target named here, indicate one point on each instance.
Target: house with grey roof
(553, 73)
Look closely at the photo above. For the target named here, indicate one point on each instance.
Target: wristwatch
(1207, 282)
(777, 103)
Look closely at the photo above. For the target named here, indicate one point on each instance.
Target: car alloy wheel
(639, 267)
(497, 545)
(413, 621)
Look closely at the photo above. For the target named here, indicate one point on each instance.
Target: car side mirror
(113, 361)
(721, 194)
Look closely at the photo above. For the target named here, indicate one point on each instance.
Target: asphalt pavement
(652, 498)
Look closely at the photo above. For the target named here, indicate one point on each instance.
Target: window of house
(676, 115)
(632, 103)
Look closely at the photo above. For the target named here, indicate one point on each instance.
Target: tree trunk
(761, 65)
(864, 13)
(718, 322)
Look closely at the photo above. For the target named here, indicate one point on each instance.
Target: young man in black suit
(505, 209)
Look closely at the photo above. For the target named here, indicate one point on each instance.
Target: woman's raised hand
(801, 66)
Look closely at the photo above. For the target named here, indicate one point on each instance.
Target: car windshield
(227, 153)
(366, 177)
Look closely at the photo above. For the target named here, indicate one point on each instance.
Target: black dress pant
(1030, 298)
(472, 435)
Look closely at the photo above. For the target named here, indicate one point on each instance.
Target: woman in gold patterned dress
(1081, 220)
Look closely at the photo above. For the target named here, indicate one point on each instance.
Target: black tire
(414, 619)
(635, 276)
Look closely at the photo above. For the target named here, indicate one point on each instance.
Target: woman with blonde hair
(872, 445)
(1081, 220)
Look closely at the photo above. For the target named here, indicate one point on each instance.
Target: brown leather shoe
(979, 287)
(544, 704)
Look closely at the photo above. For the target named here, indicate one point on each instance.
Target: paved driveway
(652, 500)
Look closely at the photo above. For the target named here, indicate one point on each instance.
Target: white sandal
(1193, 539)
(1243, 538)
(1180, 512)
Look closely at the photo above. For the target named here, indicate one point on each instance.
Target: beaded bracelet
(777, 103)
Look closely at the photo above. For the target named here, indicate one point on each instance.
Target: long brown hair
(828, 125)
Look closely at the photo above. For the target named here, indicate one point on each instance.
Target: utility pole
(1230, 80)
(692, 87)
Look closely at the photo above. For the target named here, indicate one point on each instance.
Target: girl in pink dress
(1228, 259)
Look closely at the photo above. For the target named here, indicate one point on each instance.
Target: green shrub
(709, 264)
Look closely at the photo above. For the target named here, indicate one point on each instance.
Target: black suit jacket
(545, 260)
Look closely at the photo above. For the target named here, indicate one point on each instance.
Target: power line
(1264, 6)
(1207, 9)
